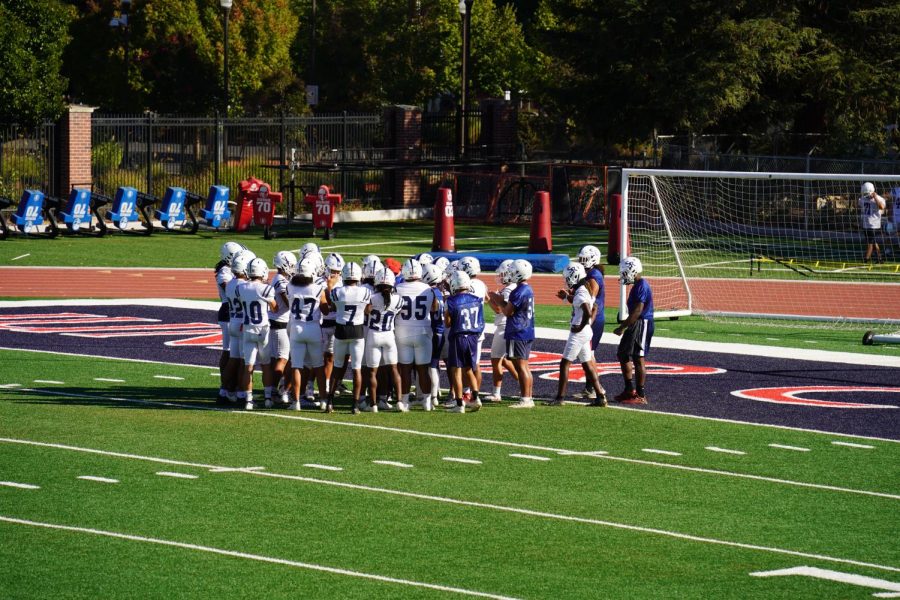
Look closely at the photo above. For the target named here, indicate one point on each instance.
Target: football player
(519, 330)
(413, 331)
(307, 305)
(257, 298)
(636, 332)
(499, 363)
(223, 275)
(465, 322)
(348, 303)
(578, 345)
(434, 277)
(472, 267)
(279, 343)
(381, 345)
(235, 364)
(334, 264)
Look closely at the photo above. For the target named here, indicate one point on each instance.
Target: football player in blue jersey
(519, 331)
(465, 322)
(636, 331)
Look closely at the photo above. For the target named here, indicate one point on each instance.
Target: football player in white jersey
(413, 331)
(472, 267)
(279, 343)
(306, 292)
(349, 305)
(257, 299)
(578, 346)
(334, 264)
(235, 365)
(381, 345)
(499, 363)
(223, 275)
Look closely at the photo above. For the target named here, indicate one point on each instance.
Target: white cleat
(402, 406)
(294, 406)
(248, 405)
(385, 405)
(366, 407)
(474, 405)
(523, 403)
(426, 404)
(458, 408)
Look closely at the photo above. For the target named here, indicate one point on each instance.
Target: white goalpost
(785, 247)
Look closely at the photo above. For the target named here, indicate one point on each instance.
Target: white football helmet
(867, 188)
(503, 272)
(371, 265)
(520, 271)
(335, 262)
(240, 261)
(351, 272)
(385, 277)
(412, 270)
(442, 262)
(574, 273)
(460, 280)
(257, 269)
(316, 259)
(425, 259)
(470, 266)
(629, 268)
(589, 256)
(307, 249)
(229, 250)
(308, 268)
(431, 274)
(285, 262)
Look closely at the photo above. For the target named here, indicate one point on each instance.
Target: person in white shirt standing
(306, 292)
(257, 299)
(578, 346)
(349, 305)
(223, 275)
(871, 206)
(499, 363)
(279, 343)
(413, 331)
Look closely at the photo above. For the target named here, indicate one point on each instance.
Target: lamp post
(226, 10)
(121, 22)
(465, 13)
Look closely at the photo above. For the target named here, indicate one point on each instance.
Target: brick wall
(74, 149)
(403, 128)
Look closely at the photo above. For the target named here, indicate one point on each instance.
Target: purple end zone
(679, 381)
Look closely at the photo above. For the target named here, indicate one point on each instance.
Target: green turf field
(549, 503)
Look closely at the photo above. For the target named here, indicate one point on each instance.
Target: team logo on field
(791, 395)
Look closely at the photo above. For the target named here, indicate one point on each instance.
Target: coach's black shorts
(635, 342)
(870, 235)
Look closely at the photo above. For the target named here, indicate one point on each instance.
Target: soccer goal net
(786, 247)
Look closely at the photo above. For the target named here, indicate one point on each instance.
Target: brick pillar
(403, 133)
(499, 127)
(73, 157)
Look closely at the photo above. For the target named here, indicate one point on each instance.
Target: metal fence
(153, 152)
(27, 158)
(441, 139)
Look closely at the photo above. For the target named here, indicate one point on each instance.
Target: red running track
(746, 295)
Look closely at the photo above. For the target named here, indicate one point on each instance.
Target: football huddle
(393, 324)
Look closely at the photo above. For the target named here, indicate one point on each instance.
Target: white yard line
(851, 445)
(724, 450)
(496, 507)
(178, 475)
(98, 479)
(786, 447)
(50, 381)
(171, 377)
(109, 380)
(255, 557)
(21, 256)
(530, 457)
(663, 452)
(322, 467)
(465, 461)
(393, 463)
(21, 486)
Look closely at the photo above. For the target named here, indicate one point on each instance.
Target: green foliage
(33, 34)
(106, 156)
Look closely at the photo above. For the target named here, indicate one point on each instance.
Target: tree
(33, 35)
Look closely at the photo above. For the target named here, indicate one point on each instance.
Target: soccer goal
(785, 247)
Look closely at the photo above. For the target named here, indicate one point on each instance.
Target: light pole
(465, 12)
(121, 22)
(226, 10)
